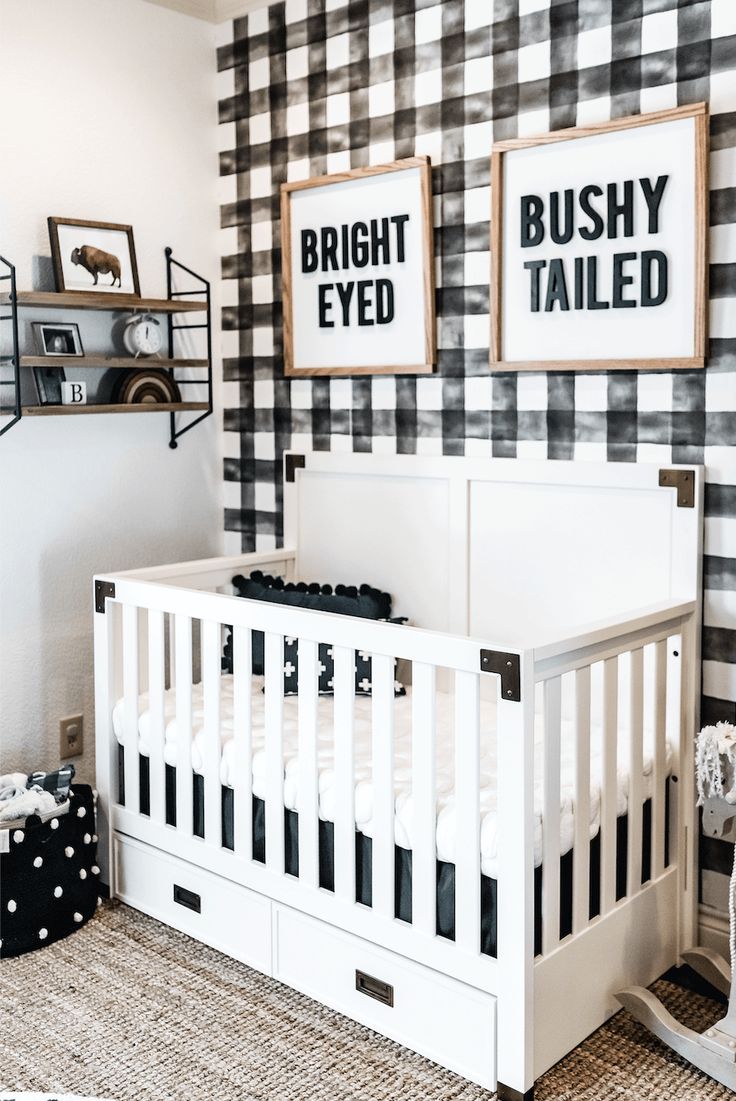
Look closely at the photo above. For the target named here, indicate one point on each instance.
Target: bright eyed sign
(357, 272)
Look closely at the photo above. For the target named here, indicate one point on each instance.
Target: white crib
(542, 754)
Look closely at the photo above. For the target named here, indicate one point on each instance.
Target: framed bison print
(358, 273)
(93, 256)
(599, 246)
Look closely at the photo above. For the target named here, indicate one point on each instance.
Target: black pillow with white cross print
(326, 669)
(363, 601)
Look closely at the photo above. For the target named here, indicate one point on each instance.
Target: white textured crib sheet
(402, 764)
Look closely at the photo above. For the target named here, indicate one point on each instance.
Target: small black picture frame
(48, 384)
(56, 338)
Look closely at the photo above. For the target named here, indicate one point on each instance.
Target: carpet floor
(128, 1009)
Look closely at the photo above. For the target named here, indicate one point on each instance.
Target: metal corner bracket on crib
(712, 1051)
(684, 482)
(508, 668)
(103, 590)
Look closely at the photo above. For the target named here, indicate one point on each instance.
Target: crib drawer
(222, 914)
(432, 1014)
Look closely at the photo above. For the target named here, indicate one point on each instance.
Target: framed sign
(358, 272)
(599, 246)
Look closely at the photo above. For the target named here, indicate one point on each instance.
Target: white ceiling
(214, 11)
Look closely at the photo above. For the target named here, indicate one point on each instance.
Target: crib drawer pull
(374, 988)
(187, 898)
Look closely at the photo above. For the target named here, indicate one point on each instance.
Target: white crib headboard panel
(388, 531)
(498, 546)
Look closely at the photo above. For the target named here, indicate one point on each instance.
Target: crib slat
(308, 795)
(467, 811)
(171, 638)
(382, 679)
(183, 643)
(211, 648)
(684, 821)
(274, 733)
(424, 821)
(581, 855)
(344, 685)
(609, 784)
(660, 757)
(156, 689)
(130, 707)
(551, 816)
(242, 743)
(636, 767)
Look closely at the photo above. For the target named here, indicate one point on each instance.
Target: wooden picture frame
(49, 383)
(92, 265)
(501, 359)
(416, 322)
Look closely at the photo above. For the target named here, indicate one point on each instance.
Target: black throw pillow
(326, 669)
(363, 601)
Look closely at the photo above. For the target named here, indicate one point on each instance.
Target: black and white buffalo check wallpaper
(316, 86)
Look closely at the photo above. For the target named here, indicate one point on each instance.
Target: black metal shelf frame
(175, 327)
(12, 360)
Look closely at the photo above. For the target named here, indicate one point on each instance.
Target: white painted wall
(110, 114)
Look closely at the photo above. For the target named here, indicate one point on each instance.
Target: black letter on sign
(647, 259)
(384, 301)
(399, 221)
(653, 197)
(623, 210)
(593, 302)
(532, 229)
(556, 287)
(329, 248)
(560, 236)
(596, 227)
(310, 259)
(360, 246)
(620, 280)
(579, 262)
(324, 306)
(364, 301)
(345, 293)
(535, 266)
(379, 242)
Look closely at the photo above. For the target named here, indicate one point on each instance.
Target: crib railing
(636, 676)
(155, 635)
(630, 692)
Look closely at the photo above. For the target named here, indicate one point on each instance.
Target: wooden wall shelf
(74, 410)
(102, 300)
(121, 362)
(194, 297)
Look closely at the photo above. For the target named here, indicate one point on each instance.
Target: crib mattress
(446, 811)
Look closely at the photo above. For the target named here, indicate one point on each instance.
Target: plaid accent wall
(316, 86)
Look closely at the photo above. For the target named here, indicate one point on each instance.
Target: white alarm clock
(142, 335)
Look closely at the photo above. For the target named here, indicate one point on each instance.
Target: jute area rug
(128, 1009)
